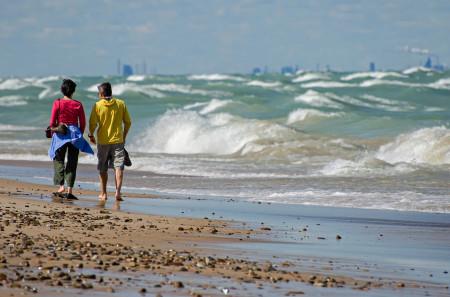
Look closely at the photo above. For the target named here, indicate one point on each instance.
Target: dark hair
(105, 89)
(68, 87)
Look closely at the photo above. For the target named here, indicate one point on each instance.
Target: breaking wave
(317, 99)
(188, 132)
(214, 77)
(300, 115)
(377, 75)
(310, 76)
(425, 146)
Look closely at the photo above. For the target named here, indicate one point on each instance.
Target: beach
(167, 245)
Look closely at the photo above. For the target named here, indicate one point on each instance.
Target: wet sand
(51, 247)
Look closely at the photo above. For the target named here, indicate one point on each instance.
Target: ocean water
(363, 139)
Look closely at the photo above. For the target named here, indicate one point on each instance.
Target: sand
(51, 247)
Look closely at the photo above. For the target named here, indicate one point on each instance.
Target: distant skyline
(86, 37)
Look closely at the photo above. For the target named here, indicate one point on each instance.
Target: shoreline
(176, 241)
(249, 246)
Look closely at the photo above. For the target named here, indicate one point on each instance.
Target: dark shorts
(110, 156)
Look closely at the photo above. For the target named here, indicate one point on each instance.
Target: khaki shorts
(110, 156)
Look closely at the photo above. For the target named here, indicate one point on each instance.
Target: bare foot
(61, 189)
(102, 197)
(119, 197)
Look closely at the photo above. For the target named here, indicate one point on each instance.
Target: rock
(143, 290)
(178, 284)
(294, 293)
(2, 277)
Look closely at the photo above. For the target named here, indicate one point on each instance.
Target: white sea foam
(214, 105)
(6, 127)
(120, 89)
(377, 75)
(443, 83)
(215, 77)
(187, 132)
(327, 84)
(136, 77)
(317, 99)
(388, 104)
(424, 146)
(13, 84)
(24, 157)
(300, 115)
(416, 69)
(394, 200)
(177, 88)
(376, 82)
(13, 100)
(434, 109)
(310, 76)
(264, 84)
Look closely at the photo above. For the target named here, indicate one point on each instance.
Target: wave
(13, 84)
(317, 99)
(388, 104)
(300, 115)
(17, 84)
(136, 77)
(310, 76)
(120, 89)
(188, 132)
(327, 84)
(377, 75)
(416, 69)
(397, 200)
(10, 128)
(376, 82)
(429, 146)
(215, 77)
(443, 83)
(208, 107)
(264, 84)
(13, 100)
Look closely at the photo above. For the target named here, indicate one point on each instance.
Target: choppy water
(370, 140)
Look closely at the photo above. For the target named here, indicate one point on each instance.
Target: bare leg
(69, 190)
(119, 179)
(103, 182)
(61, 189)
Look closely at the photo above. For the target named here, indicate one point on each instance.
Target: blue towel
(73, 136)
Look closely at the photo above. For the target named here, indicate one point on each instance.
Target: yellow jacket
(109, 115)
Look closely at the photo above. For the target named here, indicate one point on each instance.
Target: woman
(69, 120)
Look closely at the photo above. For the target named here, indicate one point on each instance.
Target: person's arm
(54, 115)
(93, 121)
(82, 119)
(126, 122)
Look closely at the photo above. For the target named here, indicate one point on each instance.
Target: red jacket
(69, 112)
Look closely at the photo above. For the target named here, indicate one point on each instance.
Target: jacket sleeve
(126, 118)
(54, 115)
(93, 120)
(82, 119)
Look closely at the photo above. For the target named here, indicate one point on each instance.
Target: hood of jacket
(109, 102)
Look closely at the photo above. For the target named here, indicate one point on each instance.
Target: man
(111, 117)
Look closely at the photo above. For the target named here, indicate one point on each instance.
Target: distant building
(437, 66)
(287, 70)
(127, 70)
(256, 71)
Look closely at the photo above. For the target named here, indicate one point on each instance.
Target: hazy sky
(208, 36)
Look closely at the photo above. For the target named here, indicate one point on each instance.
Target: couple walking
(109, 116)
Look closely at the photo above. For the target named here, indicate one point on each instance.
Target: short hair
(105, 89)
(68, 87)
